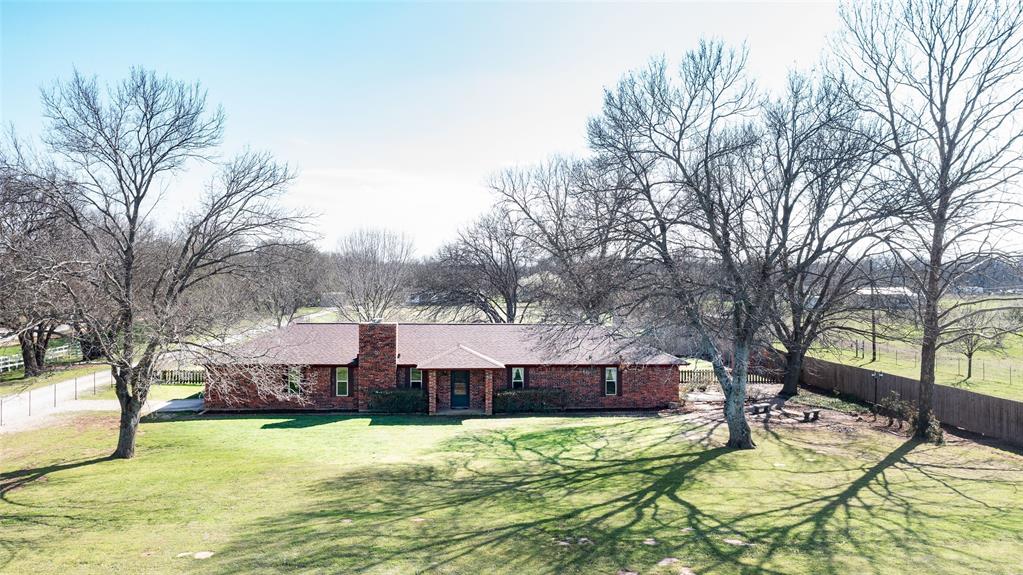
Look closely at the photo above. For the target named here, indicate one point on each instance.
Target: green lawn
(993, 374)
(15, 349)
(16, 382)
(344, 494)
(156, 392)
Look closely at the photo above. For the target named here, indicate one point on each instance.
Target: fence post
(94, 383)
(55, 395)
(76, 389)
(1, 412)
(30, 403)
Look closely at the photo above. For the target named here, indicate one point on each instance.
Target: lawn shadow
(11, 480)
(597, 498)
(16, 518)
(438, 516)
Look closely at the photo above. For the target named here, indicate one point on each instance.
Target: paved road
(31, 408)
(41, 400)
(37, 408)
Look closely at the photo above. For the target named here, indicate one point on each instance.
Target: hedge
(397, 400)
(529, 400)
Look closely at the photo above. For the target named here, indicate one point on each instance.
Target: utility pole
(873, 312)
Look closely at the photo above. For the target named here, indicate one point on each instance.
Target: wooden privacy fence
(181, 377)
(975, 412)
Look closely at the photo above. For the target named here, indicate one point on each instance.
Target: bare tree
(146, 286)
(372, 274)
(31, 305)
(568, 219)
(945, 79)
(978, 333)
(290, 278)
(682, 149)
(669, 206)
(833, 212)
(483, 272)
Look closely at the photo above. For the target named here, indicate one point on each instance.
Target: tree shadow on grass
(11, 480)
(599, 498)
(436, 518)
(16, 516)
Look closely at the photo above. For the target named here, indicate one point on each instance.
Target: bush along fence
(975, 412)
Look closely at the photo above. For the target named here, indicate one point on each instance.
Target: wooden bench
(811, 415)
(760, 408)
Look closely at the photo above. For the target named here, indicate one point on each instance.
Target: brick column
(488, 392)
(431, 392)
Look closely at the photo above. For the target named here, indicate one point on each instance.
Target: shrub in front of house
(397, 400)
(529, 400)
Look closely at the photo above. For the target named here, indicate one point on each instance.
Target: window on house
(415, 378)
(518, 377)
(341, 381)
(610, 381)
(294, 380)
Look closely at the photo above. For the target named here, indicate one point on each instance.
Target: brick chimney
(378, 362)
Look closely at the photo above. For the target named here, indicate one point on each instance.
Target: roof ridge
(480, 355)
(463, 347)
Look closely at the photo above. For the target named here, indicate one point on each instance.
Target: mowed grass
(156, 392)
(995, 372)
(388, 494)
(12, 382)
(999, 374)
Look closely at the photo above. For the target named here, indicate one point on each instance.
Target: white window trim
(347, 380)
(613, 373)
(294, 380)
(411, 377)
(522, 372)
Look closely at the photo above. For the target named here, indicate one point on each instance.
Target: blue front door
(459, 389)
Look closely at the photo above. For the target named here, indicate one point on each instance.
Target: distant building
(885, 297)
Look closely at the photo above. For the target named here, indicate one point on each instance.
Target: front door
(459, 389)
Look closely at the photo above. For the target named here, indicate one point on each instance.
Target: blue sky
(394, 114)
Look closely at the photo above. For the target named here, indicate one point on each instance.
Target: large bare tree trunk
(131, 412)
(928, 354)
(34, 342)
(932, 328)
(739, 434)
(28, 355)
(793, 368)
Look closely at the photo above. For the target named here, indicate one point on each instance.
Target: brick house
(335, 366)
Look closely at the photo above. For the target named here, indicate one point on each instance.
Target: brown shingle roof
(456, 346)
(303, 344)
(523, 344)
(460, 357)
